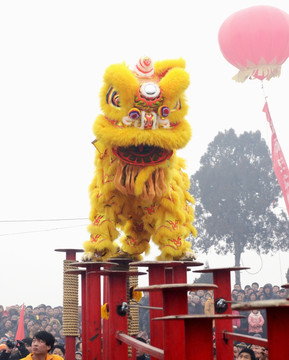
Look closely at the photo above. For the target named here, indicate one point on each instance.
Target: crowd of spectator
(253, 323)
(45, 317)
(42, 317)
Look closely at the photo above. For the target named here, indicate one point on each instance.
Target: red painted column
(105, 322)
(83, 314)
(93, 315)
(198, 331)
(180, 274)
(277, 312)
(117, 290)
(169, 276)
(70, 340)
(222, 278)
(180, 270)
(162, 272)
(175, 303)
(278, 332)
(199, 339)
(156, 274)
(91, 309)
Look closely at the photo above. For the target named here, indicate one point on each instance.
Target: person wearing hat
(283, 293)
(241, 346)
(4, 352)
(246, 354)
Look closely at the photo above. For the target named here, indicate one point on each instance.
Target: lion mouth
(142, 155)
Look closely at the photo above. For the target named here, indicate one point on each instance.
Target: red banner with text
(279, 163)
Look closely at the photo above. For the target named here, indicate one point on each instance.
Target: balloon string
(263, 89)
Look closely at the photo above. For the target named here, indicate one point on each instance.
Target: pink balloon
(256, 41)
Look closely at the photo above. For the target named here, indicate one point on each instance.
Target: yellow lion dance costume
(139, 186)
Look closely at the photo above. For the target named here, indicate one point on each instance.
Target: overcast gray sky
(53, 56)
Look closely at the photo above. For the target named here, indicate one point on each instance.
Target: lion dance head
(139, 185)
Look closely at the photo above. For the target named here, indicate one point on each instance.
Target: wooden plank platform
(177, 286)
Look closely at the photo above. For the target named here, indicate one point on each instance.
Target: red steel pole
(93, 315)
(83, 314)
(169, 276)
(222, 278)
(162, 272)
(175, 303)
(117, 290)
(277, 330)
(70, 340)
(199, 339)
(156, 276)
(105, 322)
(180, 270)
(92, 310)
(198, 331)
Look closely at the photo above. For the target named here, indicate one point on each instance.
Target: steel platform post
(222, 278)
(70, 340)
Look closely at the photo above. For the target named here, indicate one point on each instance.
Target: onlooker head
(253, 296)
(28, 343)
(283, 293)
(255, 286)
(275, 291)
(246, 288)
(59, 349)
(246, 354)
(42, 342)
(200, 293)
(48, 328)
(268, 291)
(240, 298)
(236, 352)
(78, 355)
(78, 346)
(196, 299)
(237, 287)
(257, 350)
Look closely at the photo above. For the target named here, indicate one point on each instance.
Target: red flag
(20, 334)
(279, 163)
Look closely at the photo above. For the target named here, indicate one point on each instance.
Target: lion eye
(178, 106)
(112, 97)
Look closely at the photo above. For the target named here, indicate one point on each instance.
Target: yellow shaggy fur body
(148, 200)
